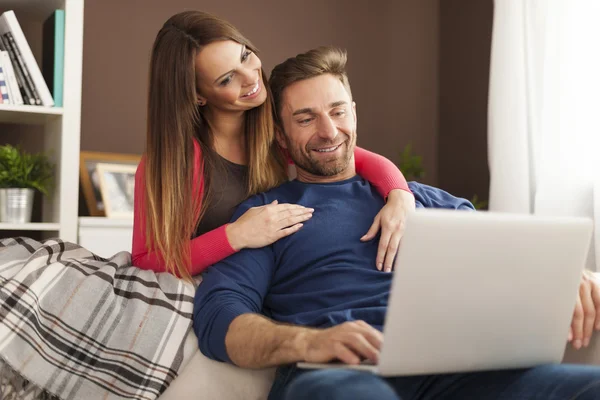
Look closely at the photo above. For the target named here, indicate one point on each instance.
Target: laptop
(477, 291)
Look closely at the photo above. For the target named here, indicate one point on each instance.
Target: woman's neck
(229, 135)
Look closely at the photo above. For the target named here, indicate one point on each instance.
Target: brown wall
(392, 45)
(465, 42)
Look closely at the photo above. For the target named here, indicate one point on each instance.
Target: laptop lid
(480, 291)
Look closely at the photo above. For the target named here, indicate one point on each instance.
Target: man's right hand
(349, 342)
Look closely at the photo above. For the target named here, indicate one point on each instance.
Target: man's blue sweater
(320, 276)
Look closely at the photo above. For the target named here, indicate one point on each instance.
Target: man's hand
(349, 342)
(586, 317)
(391, 220)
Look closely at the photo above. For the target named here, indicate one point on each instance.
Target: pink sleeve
(379, 171)
(206, 249)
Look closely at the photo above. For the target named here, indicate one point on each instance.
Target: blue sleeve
(235, 286)
(430, 197)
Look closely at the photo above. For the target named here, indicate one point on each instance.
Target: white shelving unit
(61, 125)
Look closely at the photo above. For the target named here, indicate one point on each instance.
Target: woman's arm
(391, 184)
(257, 227)
(379, 171)
(205, 250)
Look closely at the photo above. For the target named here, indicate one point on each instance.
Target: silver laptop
(480, 291)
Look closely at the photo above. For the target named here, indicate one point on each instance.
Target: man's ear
(279, 136)
(354, 112)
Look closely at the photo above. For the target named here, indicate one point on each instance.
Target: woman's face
(229, 77)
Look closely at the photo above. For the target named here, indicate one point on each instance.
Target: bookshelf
(60, 125)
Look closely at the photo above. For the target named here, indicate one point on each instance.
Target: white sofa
(207, 379)
(203, 378)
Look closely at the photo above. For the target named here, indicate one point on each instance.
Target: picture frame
(117, 183)
(90, 181)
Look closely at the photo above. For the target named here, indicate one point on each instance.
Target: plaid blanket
(77, 326)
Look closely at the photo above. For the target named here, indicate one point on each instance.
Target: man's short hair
(313, 63)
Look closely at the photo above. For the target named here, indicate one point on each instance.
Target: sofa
(208, 379)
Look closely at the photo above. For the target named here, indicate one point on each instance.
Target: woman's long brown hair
(175, 203)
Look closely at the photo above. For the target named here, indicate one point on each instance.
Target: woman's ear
(201, 101)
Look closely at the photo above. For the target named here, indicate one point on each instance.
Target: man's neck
(307, 177)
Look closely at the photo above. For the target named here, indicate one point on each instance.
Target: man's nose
(327, 128)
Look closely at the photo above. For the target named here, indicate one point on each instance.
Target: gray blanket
(77, 326)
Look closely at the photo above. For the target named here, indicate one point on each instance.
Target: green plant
(411, 165)
(479, 204)
(19, 169)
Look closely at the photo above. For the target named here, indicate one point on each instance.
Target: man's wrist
(301, 343)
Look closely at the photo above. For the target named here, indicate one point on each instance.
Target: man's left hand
(391, 220)
(586, 317)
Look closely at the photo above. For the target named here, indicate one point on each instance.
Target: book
(11, 78)
(53, 54)
(4, 98)
(25, 92)
(10, 26)
(21, 64)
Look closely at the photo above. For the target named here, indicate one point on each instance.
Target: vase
(16, 205)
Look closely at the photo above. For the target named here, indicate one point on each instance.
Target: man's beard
(323, 166)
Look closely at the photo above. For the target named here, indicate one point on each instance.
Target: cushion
(203, 378)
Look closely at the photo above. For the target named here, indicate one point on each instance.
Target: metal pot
(16, 205)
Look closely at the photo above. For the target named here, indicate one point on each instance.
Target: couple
(320, 283)
(323, 298)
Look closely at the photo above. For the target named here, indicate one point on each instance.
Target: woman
(210, 144)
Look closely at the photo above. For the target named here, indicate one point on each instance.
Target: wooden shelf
(61, 126)
(28, 115)
(33, 226)
(100, 222)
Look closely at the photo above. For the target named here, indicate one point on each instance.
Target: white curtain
(544, 110)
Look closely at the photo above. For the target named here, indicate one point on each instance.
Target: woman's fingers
(384, 242)
(392, 250)
(288, 213)
(291, 221)
(373, 229)
(288, 231)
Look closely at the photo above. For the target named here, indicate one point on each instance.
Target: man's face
(319, 123)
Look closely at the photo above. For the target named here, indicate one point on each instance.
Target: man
(319, 288)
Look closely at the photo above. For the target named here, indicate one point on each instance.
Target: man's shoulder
(431, 197)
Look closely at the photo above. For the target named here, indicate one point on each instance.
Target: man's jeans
(551, 382)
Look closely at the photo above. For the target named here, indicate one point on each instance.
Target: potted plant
(411, 166)
(21, 174)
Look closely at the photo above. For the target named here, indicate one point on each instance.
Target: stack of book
(21, 80)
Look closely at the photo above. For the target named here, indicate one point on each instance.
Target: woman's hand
(264, 225)
(391, 220)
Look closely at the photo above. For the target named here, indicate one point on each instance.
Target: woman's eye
(246, 55)
(225, 81)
